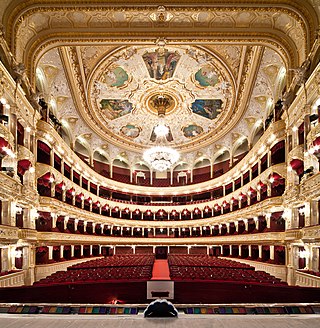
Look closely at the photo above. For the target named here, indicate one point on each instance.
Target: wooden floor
(137, 321)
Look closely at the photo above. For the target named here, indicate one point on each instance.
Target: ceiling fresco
(123, 88)
(204, 88)
(103, 68)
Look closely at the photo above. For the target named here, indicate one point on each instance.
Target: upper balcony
(269, 150)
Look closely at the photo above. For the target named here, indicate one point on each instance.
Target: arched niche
(201, 170)
(181, 174)
(65, 135)
(240, 150)
(120, 163)
(221, 163)
(258, 132)
(101, 163)
(203, 162)
(82, 151)
(121, 170)
(181, 166)
(141, 173)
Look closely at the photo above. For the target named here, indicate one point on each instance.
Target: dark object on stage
(160, 308)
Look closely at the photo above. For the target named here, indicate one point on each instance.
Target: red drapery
(23, 166)
(297, 165)
(44, 147)
(277, 147)
(234, 201)
(225, 205)
(277, 179)
(45, 179)
(59, 186)
(3, 145)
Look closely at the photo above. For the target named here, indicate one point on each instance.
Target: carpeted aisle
(160, 270)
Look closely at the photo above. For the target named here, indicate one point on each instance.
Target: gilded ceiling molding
(25, 28)
(43, 44)
(70, 61)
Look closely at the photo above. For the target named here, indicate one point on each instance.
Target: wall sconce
(18, 253)
(18, 210)
(304, 254)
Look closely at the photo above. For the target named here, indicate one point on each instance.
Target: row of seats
(4, 273)
(205, 260)
(117, 261)
(221, 274)
(98, 274)
(205, 267)
(314, 273)
(117, 267)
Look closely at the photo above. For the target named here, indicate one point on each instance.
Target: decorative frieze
(27, 235)
(64, 238)
(8, 234)
(291, 235)
(10, 188)
(310, 234)
(310, 187)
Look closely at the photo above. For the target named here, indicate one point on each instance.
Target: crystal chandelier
(161, 157)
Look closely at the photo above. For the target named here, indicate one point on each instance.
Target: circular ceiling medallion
(161, 102)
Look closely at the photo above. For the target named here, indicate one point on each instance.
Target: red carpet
(160, 270)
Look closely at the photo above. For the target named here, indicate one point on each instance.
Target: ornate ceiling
(203, 86)
(103, 67)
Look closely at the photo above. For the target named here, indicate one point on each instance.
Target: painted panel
(161, 64)
(115, 108)
(208, 108)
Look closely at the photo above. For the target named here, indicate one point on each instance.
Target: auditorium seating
(205, 268)
(204, 260)
(5, 273)
(117, 261)
(118, 267)
(311, 272)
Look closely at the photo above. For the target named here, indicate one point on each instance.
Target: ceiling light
(161, 157)
(161, 130)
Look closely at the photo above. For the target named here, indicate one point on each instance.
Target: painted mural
(207, 76)
(115, 108)
(192, 130)
(130, 131)
(161, 64)
(208, 108)
(115, 77)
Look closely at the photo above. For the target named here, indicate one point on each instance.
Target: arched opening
(202, 170)
(181, 174)
(141, 174)
(221, 164)
(120, 171)
(240, 151)
(82, 151)
(101, 163)
(257, 134)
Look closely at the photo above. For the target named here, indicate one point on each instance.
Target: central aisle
(160, 270)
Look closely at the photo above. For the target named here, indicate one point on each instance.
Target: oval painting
(130, 131)
(192, 131)
(115, 77)
(207, 76)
